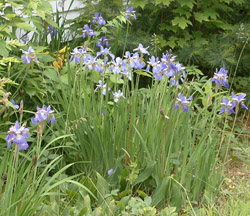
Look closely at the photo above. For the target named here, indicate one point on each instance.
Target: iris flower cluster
(221, 79)
(234, 103)
(164, 67)
(18, 134)
(106, 60)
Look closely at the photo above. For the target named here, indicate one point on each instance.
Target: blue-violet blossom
(227, 104)
(130, 12)
(28, 56)
(183, 102)
(110, 171)
(118, 95)
(18, 135)
(98, 18)
(239, 100)
(42, 114)
(103, 87)
(88, 31)
(141, 49)
(103, 42)
(220, 77)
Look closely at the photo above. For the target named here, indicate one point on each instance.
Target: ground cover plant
(80, 134)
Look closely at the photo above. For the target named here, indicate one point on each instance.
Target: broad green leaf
(164, 2)
(181, 42)
(45, 58)
(33, 5)
(40, 49)
(104, 29)
(160, 191)
(221, 24)
(148, 200)
(51, 22)
(181, 22)
(102, 187)
(208, 87)
(169, 211)
(143, 73)
(31, 91)
(44, 6)
(51, 74)
(139, 3)
(25, 26)
(115, 79)
(172, 41)
(5, 28)
(201, 17)
(10, 16)
(188, 3)
(145, 174)
(41, 14)
(4, 52)
(211, 12)
(64, 79)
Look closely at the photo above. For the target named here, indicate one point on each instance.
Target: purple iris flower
(131, 59)
(103, 42)
(116, 65)
(220, 77)
(176, 72)
(103, 87)
(25, 38)
(78, 54)
(98, 18)
(157, 68)
(155, 63)
(87, 30)
(227, 104)
(43, 114)
(141, 49)
(52, 30)
(61, 3)
(14, 104)
(90, 62)
(18, 135)
(105, 52)
(118, 95)
(110, 171)
(166, 58)
(28, 56)
(130, 12)
(127, 73)
(239, 100)
(183, 102)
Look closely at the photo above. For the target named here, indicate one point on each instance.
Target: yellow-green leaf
(164, 2)
(143, 73)
(25, 26)
(181, 22)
